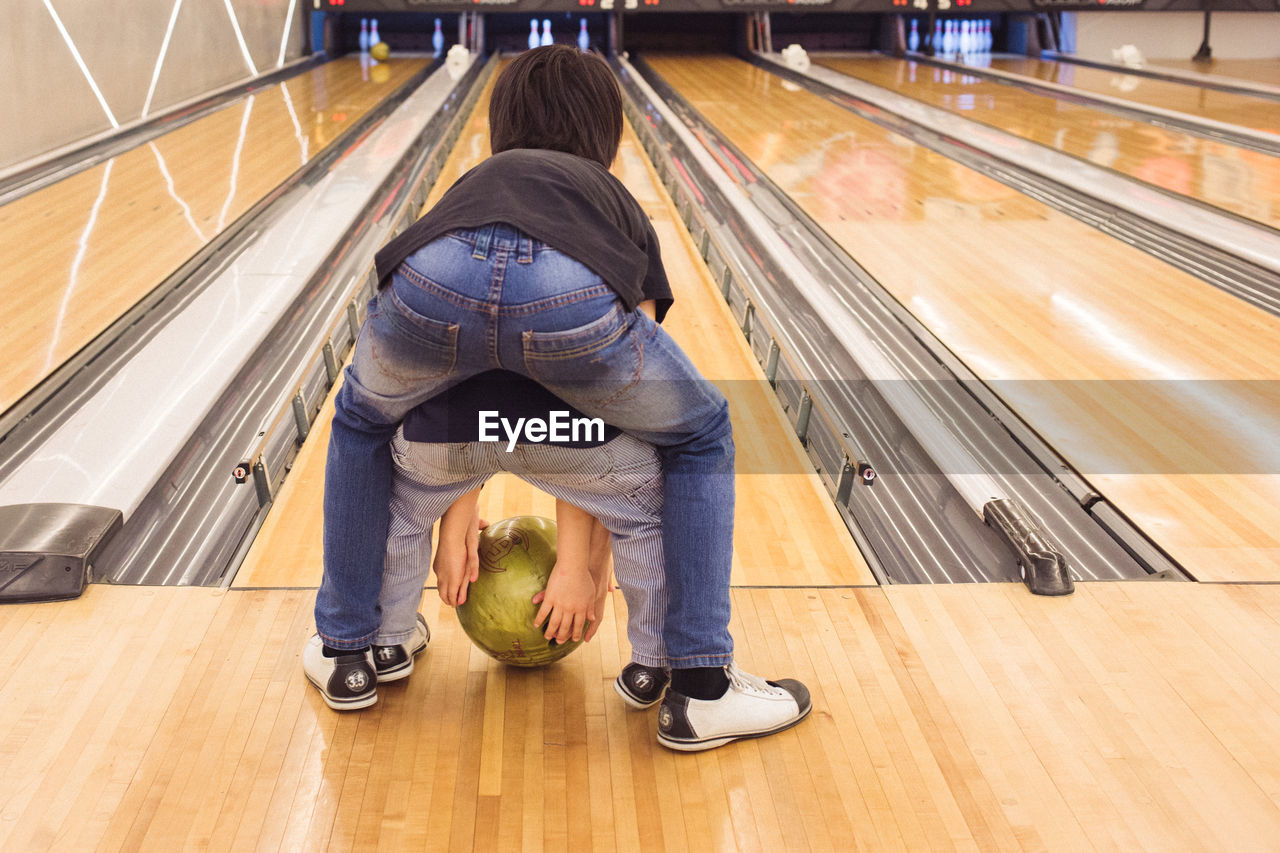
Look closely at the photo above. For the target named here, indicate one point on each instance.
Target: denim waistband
(499, 236)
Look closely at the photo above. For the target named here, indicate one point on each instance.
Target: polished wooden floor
(1243, 182)
(1158, 387)
(1256, 113)
(80, 253)
(1255, 70)
(1129, 716)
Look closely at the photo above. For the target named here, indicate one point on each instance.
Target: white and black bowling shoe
(396, 662)
(751, 707)
(346, 682)
(641, 686)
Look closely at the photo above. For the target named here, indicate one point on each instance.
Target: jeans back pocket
(409, 345)
(588, 366)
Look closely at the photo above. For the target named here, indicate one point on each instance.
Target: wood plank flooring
(1130, 716)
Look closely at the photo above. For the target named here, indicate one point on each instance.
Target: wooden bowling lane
(1243, 182)
(1255, 70)
(77, 255)
(1156, 386)
(787, 531)
(1257, 113)
(1129, 716)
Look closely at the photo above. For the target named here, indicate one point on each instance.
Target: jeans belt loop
(481, 250)
(525, 255)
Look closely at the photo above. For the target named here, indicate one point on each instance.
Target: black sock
(700, 682)
(330, 652)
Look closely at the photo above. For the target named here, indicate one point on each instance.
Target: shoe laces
(746, 682)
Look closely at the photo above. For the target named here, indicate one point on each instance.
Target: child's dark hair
(559, 98)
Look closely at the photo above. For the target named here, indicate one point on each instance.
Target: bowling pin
(437, 39)
(534, 41)
(374, 38)
(364, 34)
(937, 37)
(546, 32)
(584, 40)
(913, 40)
(966, 38)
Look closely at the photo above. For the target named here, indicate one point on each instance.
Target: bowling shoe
(751, 707)
(346, 682)
(396, 662)
(641, 686)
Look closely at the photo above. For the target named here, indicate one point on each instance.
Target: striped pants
(619, 482)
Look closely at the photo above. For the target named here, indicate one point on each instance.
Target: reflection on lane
(1243, 182)
(1255, 70)
(73, 277)
(164, 202)
(1257, 113)
(853, 170)
(1063, 320)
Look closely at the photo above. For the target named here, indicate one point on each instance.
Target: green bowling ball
(516, 558)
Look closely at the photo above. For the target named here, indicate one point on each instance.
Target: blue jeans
(492, 297)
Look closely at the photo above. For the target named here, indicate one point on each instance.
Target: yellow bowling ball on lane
(516, 559)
